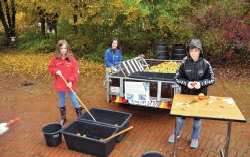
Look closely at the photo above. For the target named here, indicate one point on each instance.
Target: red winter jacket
(69, 69)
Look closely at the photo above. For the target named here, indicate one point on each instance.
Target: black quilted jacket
(200, 71)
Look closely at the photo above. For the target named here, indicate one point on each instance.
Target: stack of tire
(161, 50)
(179, 52)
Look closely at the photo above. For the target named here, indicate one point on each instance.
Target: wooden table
(207, 107)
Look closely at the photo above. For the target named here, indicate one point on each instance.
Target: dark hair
(118, 43)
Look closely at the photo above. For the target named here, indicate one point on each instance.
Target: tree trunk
(8, 19)
(13, 18)
(43, 25)
(7, 10)
(5, 25)
(75, 23)
(2, 17)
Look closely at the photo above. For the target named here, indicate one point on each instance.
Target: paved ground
(36, 105)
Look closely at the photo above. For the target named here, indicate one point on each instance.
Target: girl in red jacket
(64, 64)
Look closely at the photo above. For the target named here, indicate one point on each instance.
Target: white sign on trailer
(137, 92)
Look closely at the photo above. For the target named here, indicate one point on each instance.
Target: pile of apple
(165, 67)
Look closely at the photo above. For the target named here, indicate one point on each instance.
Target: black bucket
(152, 154)
(52, 134)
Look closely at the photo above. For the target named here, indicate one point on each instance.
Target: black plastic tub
(86, 137)
(117, 119)
(52, 134)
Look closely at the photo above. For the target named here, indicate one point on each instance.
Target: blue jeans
(196, 126)
(74, 101)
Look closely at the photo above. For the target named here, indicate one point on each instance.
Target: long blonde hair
(59, 44)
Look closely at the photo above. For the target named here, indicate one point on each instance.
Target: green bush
(80, 44)
(33, 41)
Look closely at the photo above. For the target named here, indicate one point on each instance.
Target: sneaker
(194, 143)
(171, 138)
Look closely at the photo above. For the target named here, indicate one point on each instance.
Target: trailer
(133, 84)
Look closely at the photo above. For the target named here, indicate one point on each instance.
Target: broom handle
(117, 134)
(82, 104)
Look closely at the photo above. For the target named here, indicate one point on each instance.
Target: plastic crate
(117, 119)
(86, 137)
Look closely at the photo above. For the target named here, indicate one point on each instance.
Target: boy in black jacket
(194, 75)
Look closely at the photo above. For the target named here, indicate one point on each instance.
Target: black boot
(78, 112)
(63, 115)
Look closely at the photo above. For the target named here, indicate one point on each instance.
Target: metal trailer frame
(122, 76)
